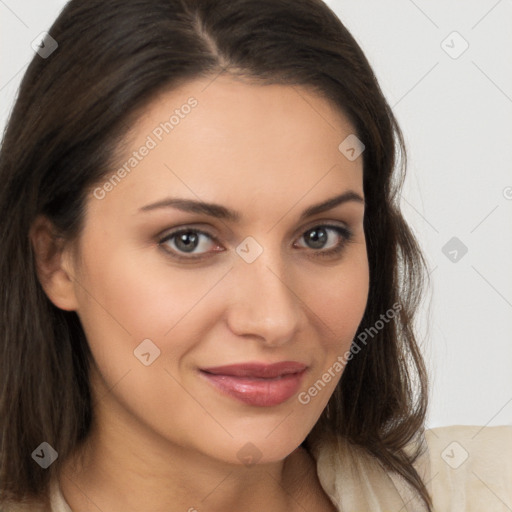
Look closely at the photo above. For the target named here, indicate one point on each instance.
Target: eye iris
(187, 241)
(317, 238)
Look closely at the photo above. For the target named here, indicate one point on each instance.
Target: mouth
(257, 384)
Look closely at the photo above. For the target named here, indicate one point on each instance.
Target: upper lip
(258, 370)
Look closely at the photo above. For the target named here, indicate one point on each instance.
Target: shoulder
(463, 467)
(355, 480)
(470, 467)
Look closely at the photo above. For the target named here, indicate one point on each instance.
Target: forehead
(230, 141)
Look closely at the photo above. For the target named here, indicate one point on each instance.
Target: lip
(257, 384)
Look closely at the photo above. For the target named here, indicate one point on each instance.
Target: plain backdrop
(446, 69)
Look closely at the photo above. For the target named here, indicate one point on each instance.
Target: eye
(327, 240)
(190, 241)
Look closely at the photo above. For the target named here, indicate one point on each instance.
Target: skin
(163, 438)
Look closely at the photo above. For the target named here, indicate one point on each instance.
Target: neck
(121, 468)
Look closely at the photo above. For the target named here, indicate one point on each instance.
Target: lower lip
(257, 392)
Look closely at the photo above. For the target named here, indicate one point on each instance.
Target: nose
(263, 303)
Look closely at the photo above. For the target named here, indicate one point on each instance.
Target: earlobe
(53, 264)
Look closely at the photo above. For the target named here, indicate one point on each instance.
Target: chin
(266, 447)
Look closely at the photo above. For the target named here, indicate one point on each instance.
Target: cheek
(124, 302)
(340, 301)
(341, 305)
(134, 296)
(136, 292)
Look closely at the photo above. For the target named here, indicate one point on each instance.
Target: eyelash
(346, 235)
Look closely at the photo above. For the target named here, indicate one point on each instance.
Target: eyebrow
(221, 212)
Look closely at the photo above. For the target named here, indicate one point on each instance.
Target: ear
(54, 264)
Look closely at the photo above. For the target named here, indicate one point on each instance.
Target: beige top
(466, 469)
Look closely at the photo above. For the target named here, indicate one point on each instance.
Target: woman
(209, 287)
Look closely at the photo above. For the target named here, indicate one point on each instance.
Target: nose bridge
(264, 304)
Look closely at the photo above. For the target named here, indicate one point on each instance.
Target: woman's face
(208, 251)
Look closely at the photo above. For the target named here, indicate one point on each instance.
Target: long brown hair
(73, 109)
